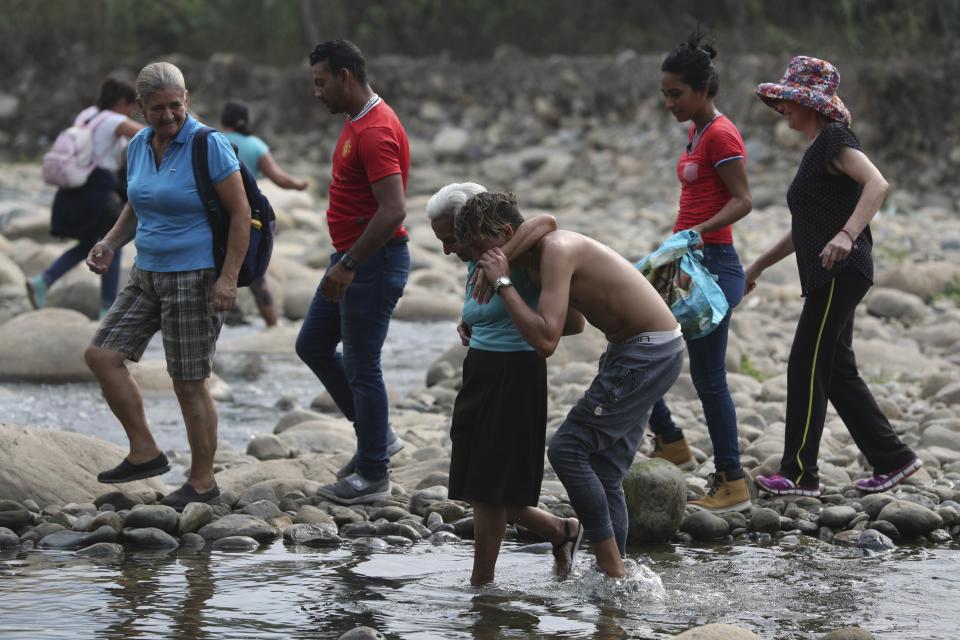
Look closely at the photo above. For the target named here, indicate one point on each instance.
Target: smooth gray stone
(310, 514)
(398, 541)
(102, 550)
(765, 520)
(8, 539)
(703, 525)
(910, 519)
(656, 494)
(238, 524)
(108, 519)
(450, 511)
(195, 515)
(949, 515)
(874, 540)
(31, 506)
(537, 548)
(422, 499)
(75, 509)
(263, 509)
(397, 529)
(77, 539)
(84, 523)
(362, 633)
(886, 528)
(345, 515)
(432, 520)
(192, 540)
(417, 526)
(313, 535)
(369, 544)
(874, 503)
(443, 526)
(119, 499)
(735, 519)
(940, 536)
(148, 537)
(235, 543)
(849, 633)
(391, 514)
(13, 516)
(464, 528)
(443, 537)
(804, 526)
(153, 516)
(46, 528)
(229, 498)
(837, 517)
(358, 530)
(920, 499)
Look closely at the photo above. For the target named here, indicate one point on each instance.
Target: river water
(788, 592)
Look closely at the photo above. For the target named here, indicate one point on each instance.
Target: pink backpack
(70, 162)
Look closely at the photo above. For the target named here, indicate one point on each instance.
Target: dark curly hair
(485, 215)
(693, 62)
(341, 54)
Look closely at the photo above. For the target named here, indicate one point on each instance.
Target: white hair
(449, 199)
(159, 76)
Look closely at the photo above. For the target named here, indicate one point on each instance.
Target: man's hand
(223, 294)
(463, 329)
(482, 289)
(494, 264)
(100, 257)
(334, 284)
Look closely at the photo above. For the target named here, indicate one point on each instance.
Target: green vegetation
(279, 31)
(950, 292)
(747, 368)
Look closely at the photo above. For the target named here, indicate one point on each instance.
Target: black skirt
(499, 429)
(88, 211)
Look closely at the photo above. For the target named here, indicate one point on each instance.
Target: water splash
(641, 585)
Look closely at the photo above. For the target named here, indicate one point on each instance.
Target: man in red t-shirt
(368, 268)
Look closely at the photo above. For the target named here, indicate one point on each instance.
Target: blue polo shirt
(251, 149)
(491, 328)
(173, 233)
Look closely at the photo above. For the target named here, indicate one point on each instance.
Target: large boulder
(717, 631)
(316, 467)
(924, 280)
(58, 467)
(910, 519)
(46, 346)
(892, 303)
(656, 494)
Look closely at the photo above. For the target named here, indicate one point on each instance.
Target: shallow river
(780, 592)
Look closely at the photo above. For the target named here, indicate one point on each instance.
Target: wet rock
(717, 631)
(267, 446)
(194, 517)
(656, 492)
(119, 499)
(804, 526)
(391, 514)
(443, 537)
(102, 550)
(837, 517)
(309, 514)
(874, 540)
(358, 530)
(939, 536)
(703, 525)
(107, 519)
(448, 510)
(313, 535)
(910, 519)
(886, 528)
(262, 509)
(84, 523)
(765, 519)
(235, 543)
(148, 537)
(153, 516)
(44, 529)
(849, 633)
(192, 541)
(396, 529)
(362, 633)
(8, 539)
(949, 515)
(874, 503)
(345, 515)
(238, 524)
(77, 539)
(423, 498)
(13, 515)
(464, 528)
(369, 544)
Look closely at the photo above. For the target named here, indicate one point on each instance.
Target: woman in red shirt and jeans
(714, 194)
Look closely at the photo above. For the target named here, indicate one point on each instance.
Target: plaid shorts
(177, 304)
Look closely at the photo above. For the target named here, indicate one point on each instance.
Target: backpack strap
(208, 193)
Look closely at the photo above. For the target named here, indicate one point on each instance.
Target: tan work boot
(676, 452)
(724, 495)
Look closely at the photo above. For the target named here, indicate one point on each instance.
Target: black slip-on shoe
(126, 471)
(187, 494)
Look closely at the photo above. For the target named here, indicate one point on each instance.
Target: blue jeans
(360, 321)
(109, 282)
(708, 366)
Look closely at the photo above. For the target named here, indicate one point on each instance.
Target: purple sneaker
(883, 481)
(780, 486)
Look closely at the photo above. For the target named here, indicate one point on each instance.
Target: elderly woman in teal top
(174, 286)
(500, 416)
(255, 155)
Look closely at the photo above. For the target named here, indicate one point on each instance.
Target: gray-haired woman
(174, 286)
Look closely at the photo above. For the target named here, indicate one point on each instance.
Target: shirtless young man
(594, 448)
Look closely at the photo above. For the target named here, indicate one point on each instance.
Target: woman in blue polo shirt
(174, 286)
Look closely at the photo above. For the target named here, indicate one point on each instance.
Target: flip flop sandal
(559, 550)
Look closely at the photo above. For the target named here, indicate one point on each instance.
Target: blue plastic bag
(697, 302)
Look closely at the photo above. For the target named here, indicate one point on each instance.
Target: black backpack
(262, 218)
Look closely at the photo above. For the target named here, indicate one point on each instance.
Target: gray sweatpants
(593, 449)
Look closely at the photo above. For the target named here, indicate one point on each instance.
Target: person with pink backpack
(89, 152)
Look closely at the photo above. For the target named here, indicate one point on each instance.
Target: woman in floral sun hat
(835, 194)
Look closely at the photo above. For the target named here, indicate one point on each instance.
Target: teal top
(250, 149)
(490, 324)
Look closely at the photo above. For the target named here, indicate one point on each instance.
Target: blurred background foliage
(281, 31)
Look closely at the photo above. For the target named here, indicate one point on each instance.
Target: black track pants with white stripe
(823, 367)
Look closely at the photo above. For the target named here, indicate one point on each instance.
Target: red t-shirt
(702, 192)
(370, 148)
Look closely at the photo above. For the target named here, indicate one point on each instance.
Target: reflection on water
(422, 592)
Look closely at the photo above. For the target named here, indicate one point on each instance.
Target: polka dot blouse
(821, 203)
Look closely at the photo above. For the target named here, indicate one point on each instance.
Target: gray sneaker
(355, 489)
(394, 445)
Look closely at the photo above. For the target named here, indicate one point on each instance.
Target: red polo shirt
(370, 148)
(702, 192)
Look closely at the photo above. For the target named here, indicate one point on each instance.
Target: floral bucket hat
(809, 82)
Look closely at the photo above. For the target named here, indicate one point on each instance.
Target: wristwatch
(349, 263)
(502, 281)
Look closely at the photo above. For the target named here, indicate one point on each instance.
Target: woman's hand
(751, 275)
(100, 257)
(482, 290)
(836, 250)
(463, 329)
(223, 294)
(494, 264)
